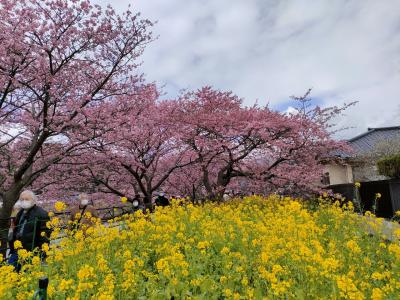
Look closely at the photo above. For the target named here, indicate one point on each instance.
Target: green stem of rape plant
(375, 205)
(357, 199)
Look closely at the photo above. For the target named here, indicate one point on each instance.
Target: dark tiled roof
(367, 141)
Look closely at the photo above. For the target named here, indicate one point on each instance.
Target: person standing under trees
(161, 200)
(83, 212)
(30, 231)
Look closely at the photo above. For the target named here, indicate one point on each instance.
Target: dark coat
(28, 228)
(162, 201)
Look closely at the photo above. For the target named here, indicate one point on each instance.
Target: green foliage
(390, 166)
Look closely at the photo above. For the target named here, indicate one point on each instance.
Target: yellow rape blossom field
(256, 248)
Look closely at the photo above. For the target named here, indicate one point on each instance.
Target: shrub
(390, 166)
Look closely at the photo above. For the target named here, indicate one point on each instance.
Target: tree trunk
(219, 196)
(207, 185)
(193, 194)
(4, 227)
(147, 201)
(9, 198)
(216, 194)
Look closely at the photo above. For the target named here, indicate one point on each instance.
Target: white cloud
(269, 50)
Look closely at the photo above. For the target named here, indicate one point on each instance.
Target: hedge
(390, 166)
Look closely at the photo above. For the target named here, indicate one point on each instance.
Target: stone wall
(367, 172)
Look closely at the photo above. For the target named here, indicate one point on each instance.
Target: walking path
(381, 227)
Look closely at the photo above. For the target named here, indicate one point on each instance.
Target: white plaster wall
(339, 174)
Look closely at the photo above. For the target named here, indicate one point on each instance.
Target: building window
(325, 179)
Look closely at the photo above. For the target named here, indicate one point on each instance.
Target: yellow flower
(250, 293)
(377, 276)
(45, 247)
(378, 195)
(60, 206)
(225, 250)
(347, 288)
(127, 254)
(87, 215)
(195, 282)
(244, 249)
(353, 246)
(357, 184)
(86, 272)
(377, 294)
(228, 293)
(23, 254)
(280, 288)
(65, 284)
(124, 199)
(17, 245)
(203, 245)
(244, 281)
(35, 261)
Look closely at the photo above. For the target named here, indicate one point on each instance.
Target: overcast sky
(268, 50)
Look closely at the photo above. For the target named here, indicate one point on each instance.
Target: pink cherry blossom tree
(239, 146)
(187, 182)
(142, 155)
(73, 174)
(61, 63)
(136, 158)
(201, 145)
